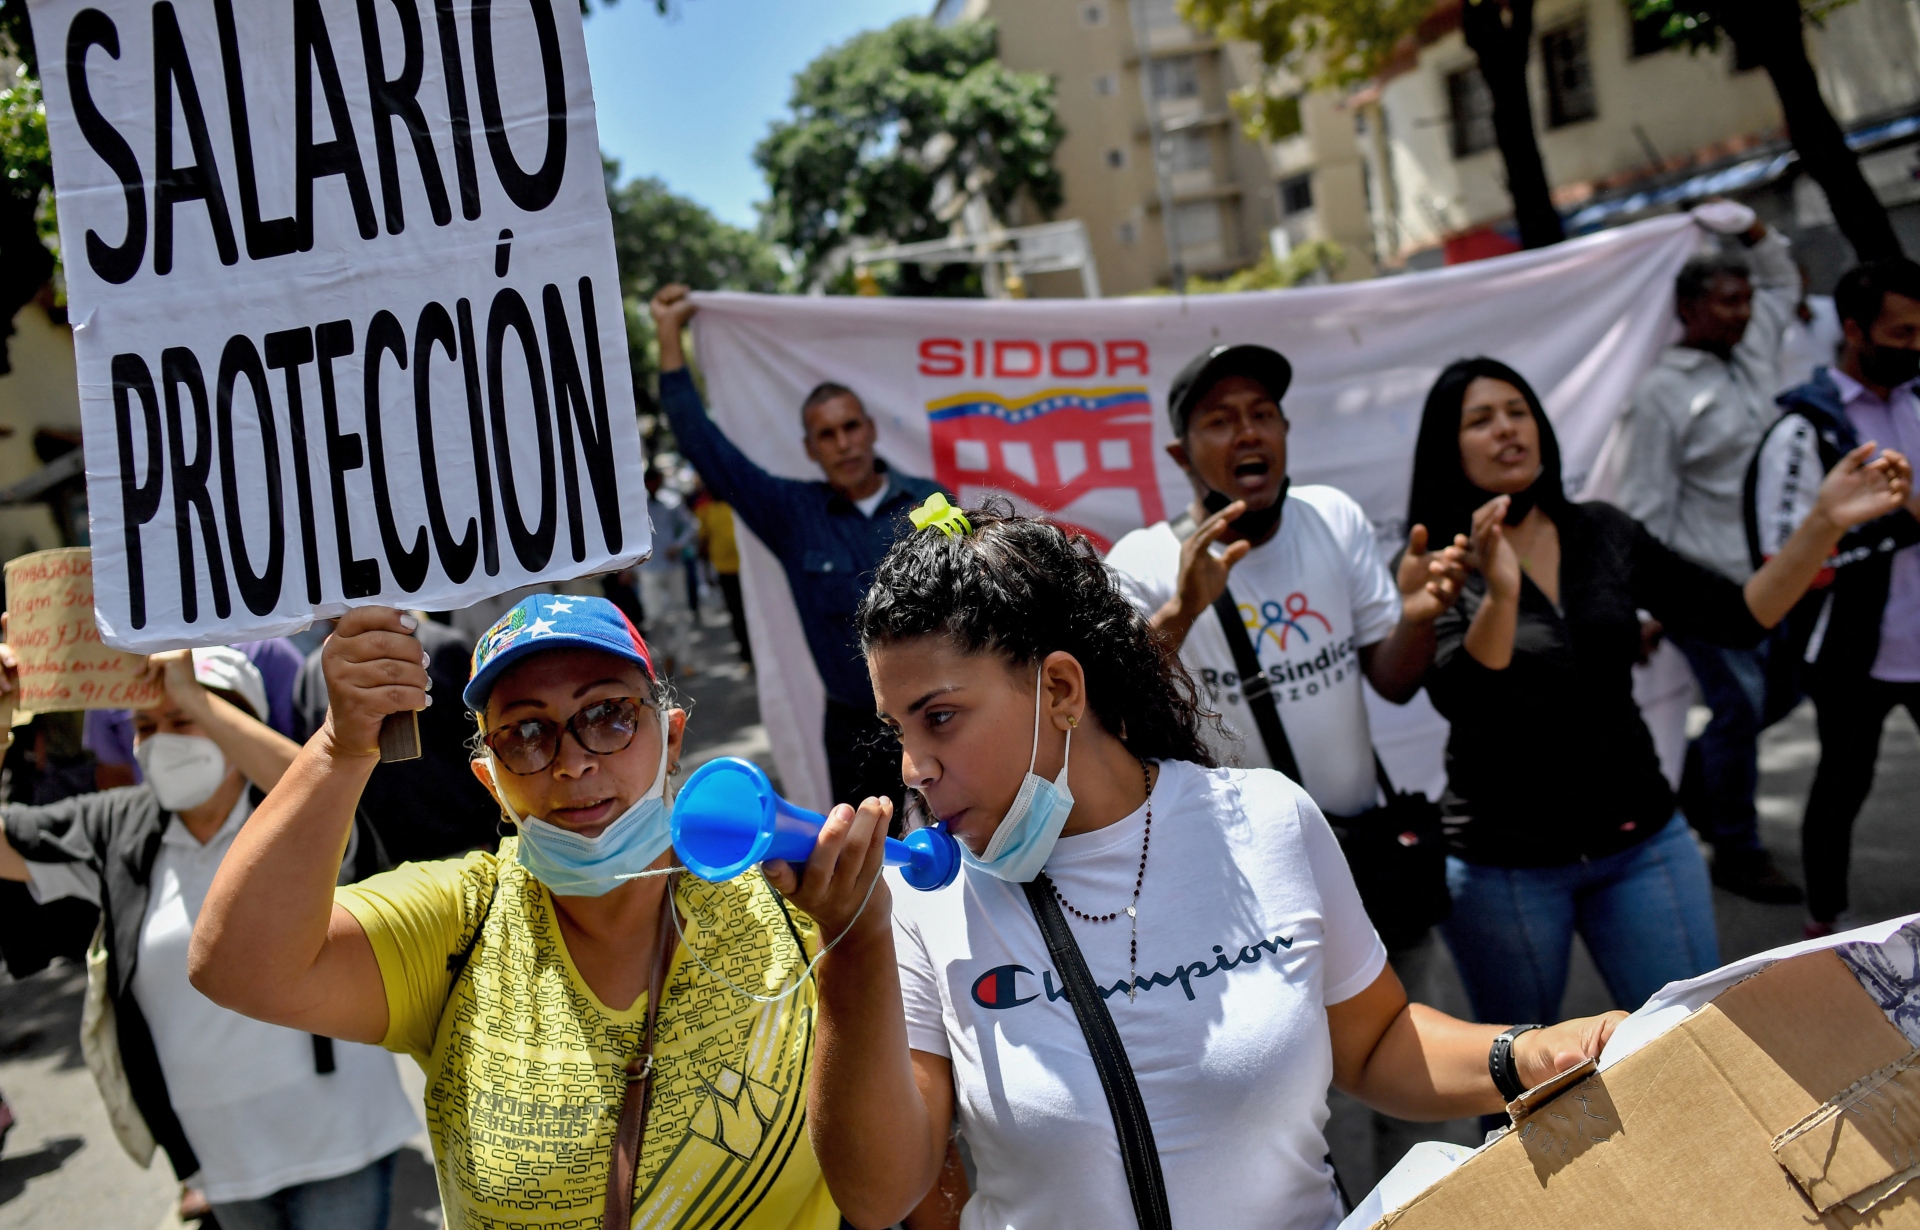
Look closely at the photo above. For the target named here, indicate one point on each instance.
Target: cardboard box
(1790, 1100)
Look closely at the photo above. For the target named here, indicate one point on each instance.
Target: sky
(685, 98)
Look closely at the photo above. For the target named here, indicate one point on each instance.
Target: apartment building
(1220, 201)
(1628, 126)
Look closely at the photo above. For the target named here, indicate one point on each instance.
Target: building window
(1188, 150)
(1116, 158)
(1162, 15)
(1470, 104)
(1127, 233)
(1176, 77)
(1649, 34)
(1197, 223)
(1296, 194)
(1570, 96)
(1093, 14)
(1106, 85)
(1285, 118)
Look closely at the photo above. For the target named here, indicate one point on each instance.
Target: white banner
(347, 317)
(1060, 404)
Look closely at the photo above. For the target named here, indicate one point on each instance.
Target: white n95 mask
(184, 770)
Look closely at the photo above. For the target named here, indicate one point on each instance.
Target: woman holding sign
(584, 1067)
(285, 1131)
(1194, 927)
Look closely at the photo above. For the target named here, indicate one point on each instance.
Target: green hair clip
(937, 514)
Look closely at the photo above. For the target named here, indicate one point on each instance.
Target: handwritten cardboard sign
(50, 624)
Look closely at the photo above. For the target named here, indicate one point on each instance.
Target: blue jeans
(357, 1201)
(1645, 913)
(1725, 760)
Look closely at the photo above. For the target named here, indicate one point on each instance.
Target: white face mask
(184, 770)
(1018, 849)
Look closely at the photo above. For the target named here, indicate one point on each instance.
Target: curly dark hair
(1023, 588)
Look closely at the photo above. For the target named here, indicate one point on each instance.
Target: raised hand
(1489, 552)
(1857, 490)
(672, 308)
(373, 667)
(173, 670)
(835, 883)
(1203, 575)
(1429, 581)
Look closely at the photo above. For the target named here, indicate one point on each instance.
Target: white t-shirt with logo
(1311, 596)
(1249, 927)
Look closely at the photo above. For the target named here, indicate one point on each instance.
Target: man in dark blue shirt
(829, 535)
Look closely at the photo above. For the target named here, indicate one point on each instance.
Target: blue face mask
(1019, 848)
(571, 865)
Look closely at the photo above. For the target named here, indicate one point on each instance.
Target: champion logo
(996, 989)
(999, 988)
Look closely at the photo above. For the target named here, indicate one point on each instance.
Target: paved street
(61, 1167)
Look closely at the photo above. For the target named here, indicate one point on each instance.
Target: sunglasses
(530, 745)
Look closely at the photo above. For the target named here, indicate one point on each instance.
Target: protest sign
(63, 664)
(1061, 406)
(347, 318)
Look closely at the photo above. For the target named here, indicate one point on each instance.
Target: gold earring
(1073, 723)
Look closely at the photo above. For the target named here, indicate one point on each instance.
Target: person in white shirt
(1317, 600)
(1045, 726)
(669, 623)
(286, 1131)
(1695, 422)
(1319, 604)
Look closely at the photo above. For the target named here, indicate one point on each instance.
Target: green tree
(659, 237)
(1335, 43)
(26, 176)
(1772, 34)
(893, 132)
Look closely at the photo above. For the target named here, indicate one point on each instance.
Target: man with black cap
(1308, 583)
(1317, 608)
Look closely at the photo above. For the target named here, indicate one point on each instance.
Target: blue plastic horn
(727, 819)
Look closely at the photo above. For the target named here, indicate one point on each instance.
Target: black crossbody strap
(1138, 1153)
(1255, 688)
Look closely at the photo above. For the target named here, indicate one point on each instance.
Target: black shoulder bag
(1138, 1153)
(1397, 852)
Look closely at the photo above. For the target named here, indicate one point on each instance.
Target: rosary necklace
(1132, 913)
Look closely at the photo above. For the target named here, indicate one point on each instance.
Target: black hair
(1863, 289)
(1442, 498)
(1023, 588)
(826, 391)
(1696, 276)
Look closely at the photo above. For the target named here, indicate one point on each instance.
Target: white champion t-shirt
(1311, 596)
(1249, 927)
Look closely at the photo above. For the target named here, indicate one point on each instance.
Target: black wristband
(1500, 1064)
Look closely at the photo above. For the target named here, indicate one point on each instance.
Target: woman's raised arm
(270, 943)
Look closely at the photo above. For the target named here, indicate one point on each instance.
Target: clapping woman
(1562, 820)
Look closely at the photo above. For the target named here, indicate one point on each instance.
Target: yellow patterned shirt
(524, 1064)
